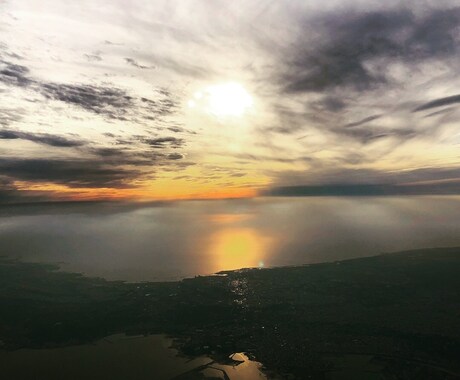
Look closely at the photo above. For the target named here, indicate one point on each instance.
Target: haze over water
(183, 239)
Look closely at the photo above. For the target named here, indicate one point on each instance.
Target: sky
(155, 100)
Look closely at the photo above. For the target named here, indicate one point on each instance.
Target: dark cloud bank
(354, 38)
(74, 173)
(116, 167)
(452, 188)
(368, 182)
(349, 58)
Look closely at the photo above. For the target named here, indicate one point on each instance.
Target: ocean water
(168, 241)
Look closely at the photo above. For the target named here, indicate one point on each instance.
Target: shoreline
(287, 318)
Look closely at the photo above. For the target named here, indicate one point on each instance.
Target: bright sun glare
(227, 99)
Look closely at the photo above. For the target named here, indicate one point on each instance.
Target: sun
(221, 100)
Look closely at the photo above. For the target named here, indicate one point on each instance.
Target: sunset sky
(148, 100)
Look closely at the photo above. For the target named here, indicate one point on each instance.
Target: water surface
(182, 239)
(121, 357)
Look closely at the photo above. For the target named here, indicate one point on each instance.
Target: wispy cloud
(161, 142)
(108, 101)
(441, 102)
(41, 138)
(111, 102)
(136, 64)
(14, 74)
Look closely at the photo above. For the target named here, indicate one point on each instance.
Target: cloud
(368, 182)
(183, 68)
(73, 173)
(333, 103)
(354, 39)
(447, 101)
(136, 64)
(333, 85)
(161, 142)
(8, 191)
(175, 156)
(160, 107)
(9, 194)
(14, 74)
(363, 121)
(337, 190)
(41, 138)
(96, 57)
(108, 101)
(349, 75)
(368, 134)
(10, 116)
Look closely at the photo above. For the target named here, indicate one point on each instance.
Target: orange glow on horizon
(66, 193)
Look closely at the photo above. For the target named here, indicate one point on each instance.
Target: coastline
(396, 308)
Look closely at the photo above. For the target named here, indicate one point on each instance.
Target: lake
(168, 241)
(121, 357)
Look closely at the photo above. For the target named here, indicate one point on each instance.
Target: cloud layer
(349, 98)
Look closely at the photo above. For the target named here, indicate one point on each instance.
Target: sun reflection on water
(236, 248)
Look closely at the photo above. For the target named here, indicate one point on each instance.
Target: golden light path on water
(235, 248)
(171, 241)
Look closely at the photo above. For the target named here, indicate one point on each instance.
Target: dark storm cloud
(353, 39)
(449, 100)
(41, 138)
(73, 173)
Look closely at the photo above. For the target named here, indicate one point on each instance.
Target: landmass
(391, 316)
